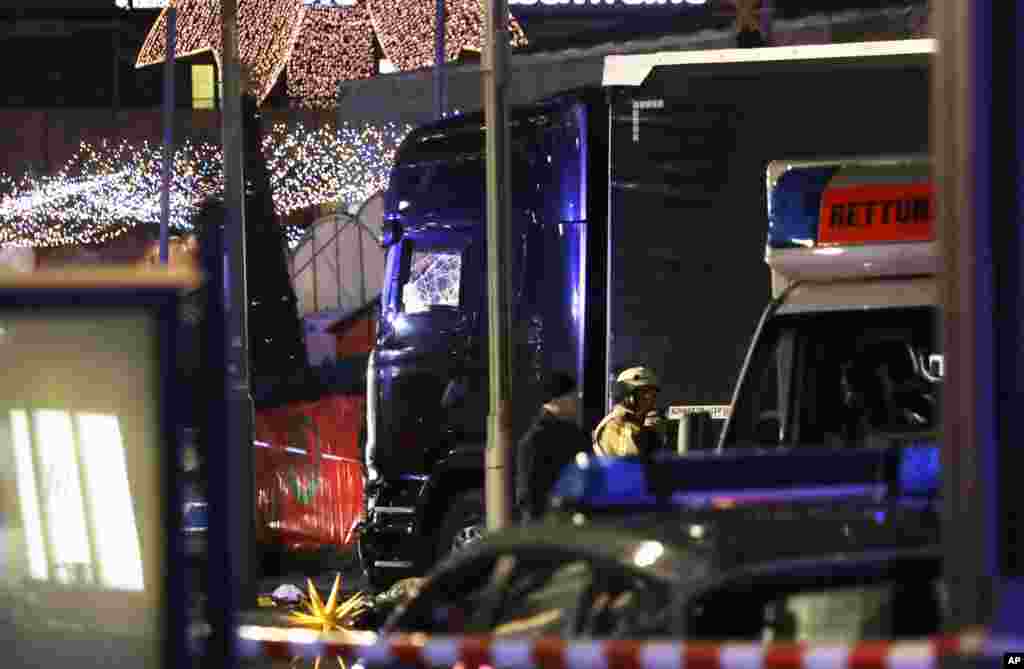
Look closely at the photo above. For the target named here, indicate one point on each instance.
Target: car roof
(702, 547)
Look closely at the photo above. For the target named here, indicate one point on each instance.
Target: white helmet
(635, 378)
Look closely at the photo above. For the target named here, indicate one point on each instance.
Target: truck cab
(848, 352)
(427, 378)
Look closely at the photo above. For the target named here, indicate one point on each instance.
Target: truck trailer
(639, 238)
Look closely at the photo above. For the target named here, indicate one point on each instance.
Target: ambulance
(847, 353)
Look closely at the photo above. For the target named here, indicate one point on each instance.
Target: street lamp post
(232, 556)
(499, 246)
(439, 60)
(168, 167)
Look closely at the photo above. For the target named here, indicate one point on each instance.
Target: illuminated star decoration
(330, 616)
(104, 190)
(320, 46)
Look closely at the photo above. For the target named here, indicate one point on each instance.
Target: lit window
(28, 496)
(78, 503)
(203, 86)
(110, 501)
(62, 496)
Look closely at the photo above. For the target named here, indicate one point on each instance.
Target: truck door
(424, 326)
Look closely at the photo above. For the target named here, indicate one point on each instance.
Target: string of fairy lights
(336, 45)
(406, 30)
(106, 189)
(320, 46)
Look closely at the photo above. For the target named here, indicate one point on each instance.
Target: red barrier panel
(309, 479)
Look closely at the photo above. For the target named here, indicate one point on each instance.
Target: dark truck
(639, 234)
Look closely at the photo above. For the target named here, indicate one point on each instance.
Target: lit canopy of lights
(321, 45)
(104, 190)
(341, 48)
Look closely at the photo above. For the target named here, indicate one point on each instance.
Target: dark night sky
(568, 26)
(51, 78)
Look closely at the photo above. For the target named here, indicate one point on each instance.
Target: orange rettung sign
(870, 213)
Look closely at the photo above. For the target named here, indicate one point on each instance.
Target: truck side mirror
(695, 433)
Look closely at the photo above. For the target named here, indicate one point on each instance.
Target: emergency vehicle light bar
(850, 202)
(851, 218)
(717, 480)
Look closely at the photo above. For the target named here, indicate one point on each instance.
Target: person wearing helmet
(629, 429)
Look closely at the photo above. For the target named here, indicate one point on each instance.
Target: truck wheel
(463, 524)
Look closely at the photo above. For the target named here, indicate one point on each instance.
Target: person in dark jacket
(553, 441)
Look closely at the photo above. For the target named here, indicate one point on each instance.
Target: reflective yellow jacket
(615, 435)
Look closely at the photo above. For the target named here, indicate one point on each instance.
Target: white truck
(848, 351)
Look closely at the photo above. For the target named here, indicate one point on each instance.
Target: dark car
(814, 573)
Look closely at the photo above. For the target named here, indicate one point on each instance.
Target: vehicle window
(762, 415)
(843, 614)
(532, 597)
(542, 598)
(841, 379)
(433, 280)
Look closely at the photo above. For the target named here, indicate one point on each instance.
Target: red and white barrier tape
(482, 652)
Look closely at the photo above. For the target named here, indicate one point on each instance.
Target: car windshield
(841, 379)
(530, 593)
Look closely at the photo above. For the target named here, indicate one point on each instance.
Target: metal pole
(362, 265)
(165, 196)
(951, 114)
(439, 60)
(337, 252)
(766, 21)
(499, 247)
(977, 95)
(240, 510)
(116, 95)
(316, 279)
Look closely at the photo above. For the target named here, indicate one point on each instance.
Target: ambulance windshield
(864, 378)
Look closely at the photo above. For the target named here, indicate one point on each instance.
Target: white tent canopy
(339, 266)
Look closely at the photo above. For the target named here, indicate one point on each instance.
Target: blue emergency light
(724, 480)
(794, 206)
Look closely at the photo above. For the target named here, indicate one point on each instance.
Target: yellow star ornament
(330, 616)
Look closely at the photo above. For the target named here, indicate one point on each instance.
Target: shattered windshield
(434, 278)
